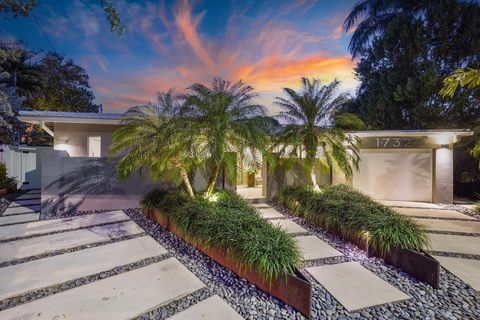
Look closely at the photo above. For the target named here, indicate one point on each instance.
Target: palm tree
(224, 119)
(314, 121)
(376, 14)
(154, 137)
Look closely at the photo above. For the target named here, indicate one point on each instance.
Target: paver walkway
(42, 255)
(462, 243)
(350, 283)
(211, 308)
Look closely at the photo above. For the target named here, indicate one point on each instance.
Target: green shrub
(5, 180)
(354, 214)
(232, 224)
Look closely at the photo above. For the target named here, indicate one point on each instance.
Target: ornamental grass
(228, 222)
(355, 215)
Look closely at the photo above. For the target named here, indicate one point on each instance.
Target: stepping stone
(24, 203)
(123, 296)
(47, 226)
(210, 308)
(313, 248)
(410, 204)
(465, 269)
(20, 210)
(42, 273)
(454, 243)
(18, 249)
(260, 205)
(450, 225)
(433, 213)
(28, 217)
(354, 286)
(28, 197)
(289, 226)
(270, 213)
(33, 191)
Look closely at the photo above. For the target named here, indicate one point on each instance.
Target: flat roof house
(395, 165)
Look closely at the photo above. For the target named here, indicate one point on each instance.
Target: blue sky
(172, 44)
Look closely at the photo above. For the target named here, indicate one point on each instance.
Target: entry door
(403, 175)
(24, 165)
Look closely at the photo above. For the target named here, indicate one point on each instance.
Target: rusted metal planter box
(3, 192)
(294, 290)
(419, 264)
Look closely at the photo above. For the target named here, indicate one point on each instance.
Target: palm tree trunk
(185, 178)
(313, 177)
(213, 180)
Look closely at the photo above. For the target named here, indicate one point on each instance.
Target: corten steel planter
(3, 192)
(294, 289)
(419, 264)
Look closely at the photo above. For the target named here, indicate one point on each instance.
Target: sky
(173, 44)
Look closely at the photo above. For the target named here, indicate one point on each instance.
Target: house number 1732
(393, 142)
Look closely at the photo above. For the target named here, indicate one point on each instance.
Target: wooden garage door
(395, 174)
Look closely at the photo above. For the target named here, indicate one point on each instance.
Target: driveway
(454, 237)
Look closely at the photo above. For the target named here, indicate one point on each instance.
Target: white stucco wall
(73, 137)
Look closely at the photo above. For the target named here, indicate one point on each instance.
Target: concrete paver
(123, 296)
(18, 249)
(410, 204)
(433, 213)
(211, 308)
(454, 243)
(450, 225)
(270, 213)
(465, 269)
(289, 226)
(24, 202)
(354, 286)
(28, 217)
(41, 273)
(22, 209)
(314, 248)
(46, 226)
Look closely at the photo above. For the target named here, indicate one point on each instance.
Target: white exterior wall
(73, 137)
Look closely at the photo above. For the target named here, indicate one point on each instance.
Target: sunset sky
(172, 44)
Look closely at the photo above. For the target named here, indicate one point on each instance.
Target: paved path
(451, 233)
(54, 255)
(350, 283)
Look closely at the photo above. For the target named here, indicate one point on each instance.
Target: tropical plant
(224, 120)
(355, 216)
(230, 224)
(155, 137)
(314, 122)
(469, 78)
(476, 209)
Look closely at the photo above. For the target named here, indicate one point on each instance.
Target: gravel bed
(455, 233)
(455, 255)
(453, 300)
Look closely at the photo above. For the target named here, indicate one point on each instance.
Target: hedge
(355, 215)
(231, 224)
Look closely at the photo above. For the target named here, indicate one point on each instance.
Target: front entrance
(250, 182)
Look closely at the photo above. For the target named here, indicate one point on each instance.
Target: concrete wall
(443, 173)
(289, 174)
(73, 137)
(85, 184)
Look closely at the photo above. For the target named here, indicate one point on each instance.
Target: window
(94, 146)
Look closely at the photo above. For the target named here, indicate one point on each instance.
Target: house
(395, 165)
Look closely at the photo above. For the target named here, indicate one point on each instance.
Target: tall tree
(405, 49)
(224, 119)
(67, 87)
(155, 138)
(313, 123)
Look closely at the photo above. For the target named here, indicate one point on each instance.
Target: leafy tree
(154, 137)
(313, 122)
(67, 87)
(405, 49)
(25, 8)
(224, 119)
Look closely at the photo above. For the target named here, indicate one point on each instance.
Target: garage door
(395, 174)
